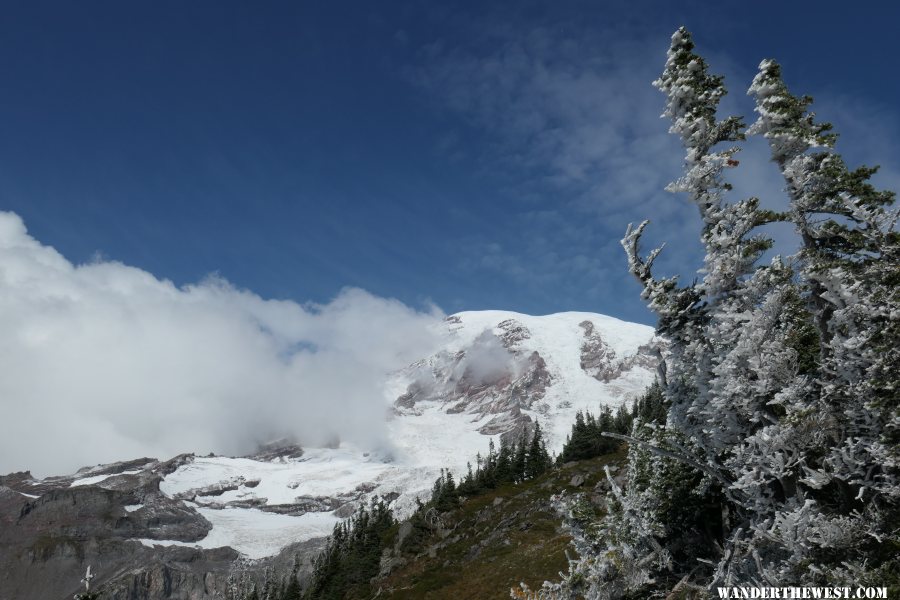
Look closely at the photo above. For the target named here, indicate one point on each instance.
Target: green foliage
(586, 440)
(683, 508)
(514, 463)
(444, 495)
(651, 408)
(352, 556)
(292, 590)
(803, 337)
(494, 540)
(537, 460)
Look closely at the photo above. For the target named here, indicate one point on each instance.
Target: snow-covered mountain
(495, 373)
(500, 370)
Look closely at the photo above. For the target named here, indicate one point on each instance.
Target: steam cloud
(102, 362)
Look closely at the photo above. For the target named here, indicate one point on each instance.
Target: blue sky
(483, 155)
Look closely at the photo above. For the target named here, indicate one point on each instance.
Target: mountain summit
(178, 527)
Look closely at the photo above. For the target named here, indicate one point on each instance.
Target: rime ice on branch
(778, 463)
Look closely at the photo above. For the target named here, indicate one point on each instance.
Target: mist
(102, 362)
(487, 361)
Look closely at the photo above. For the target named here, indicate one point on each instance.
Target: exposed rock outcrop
(599, 360)
(50, 530)
(493, 376)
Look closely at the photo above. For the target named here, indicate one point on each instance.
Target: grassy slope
(495, 540)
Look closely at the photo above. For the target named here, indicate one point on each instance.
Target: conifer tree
(504, 463)
(586, 439)
(849, 264)
(519, 460)
(352, 556)
(292, 590)
(536, 458)
(780, 396)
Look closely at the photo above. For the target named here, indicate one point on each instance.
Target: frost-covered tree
(849, 266)
(732, 247)
(729, 358)
(781, 378)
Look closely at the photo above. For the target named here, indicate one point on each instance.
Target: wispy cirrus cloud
(572, 119)
(573, 122)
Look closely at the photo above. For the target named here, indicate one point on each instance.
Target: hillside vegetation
(494, 541)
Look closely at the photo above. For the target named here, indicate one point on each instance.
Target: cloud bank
(102, 362)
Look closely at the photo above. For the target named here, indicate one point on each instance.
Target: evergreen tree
(268, 587)
(849, 265)
(587, 439)
(468, 485)
(353, 554)
(444, 494)
(504, 463)
(537, 460)
(519, 460)
(488, 473)
(651, 407)
(578, 444)
(621, 422)
(780, 399)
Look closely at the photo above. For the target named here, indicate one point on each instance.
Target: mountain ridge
(495, 373)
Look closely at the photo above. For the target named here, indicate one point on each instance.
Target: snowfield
(254, 533)
(319, 472)
(94, 479)
(424, 440)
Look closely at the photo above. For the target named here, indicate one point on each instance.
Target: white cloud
(101, 362)
(487, 361)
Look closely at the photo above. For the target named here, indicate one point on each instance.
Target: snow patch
(98, 478)
(254, 533)
(319, 472)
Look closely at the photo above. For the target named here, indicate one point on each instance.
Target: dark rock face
(514, 379)
(600, 361)
(50, 531)
(46, 542)
(513, 333)
(283, 448)
(190, 574)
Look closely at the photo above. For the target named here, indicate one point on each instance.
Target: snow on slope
(425, 438)
(436, 438)
(93, 479)
(319, 472)
(254, 533)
